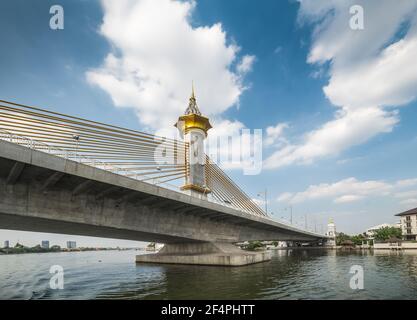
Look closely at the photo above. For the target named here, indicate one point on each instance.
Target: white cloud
(348, 198)
(348, 129)
(347, 190)
(409, 202)
(370, 71)
(407, 183)
(275, 134)
(223, 142)
(278, 50)
(245, 64)
(157, 53)
(233, 146)
(389, 79)
(352, 189)
(407, 194)
(285, 197)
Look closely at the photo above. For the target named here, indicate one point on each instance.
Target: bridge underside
(44, 193)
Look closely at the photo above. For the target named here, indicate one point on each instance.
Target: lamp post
(305, 220)
(290, 207)
(265, 194)
(76, 138)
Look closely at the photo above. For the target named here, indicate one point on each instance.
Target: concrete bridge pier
(204, 253)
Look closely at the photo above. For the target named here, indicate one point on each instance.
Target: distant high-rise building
(71, 244)
(45, 244)
(7, 244)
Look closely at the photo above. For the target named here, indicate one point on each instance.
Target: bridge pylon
(193, 128)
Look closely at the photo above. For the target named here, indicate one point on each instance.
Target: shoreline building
(71, 245)
(408, 220)
(6, 244)
(370, 232)
(45, 244)
(331, 232)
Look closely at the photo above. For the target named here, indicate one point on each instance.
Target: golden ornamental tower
(193, 128)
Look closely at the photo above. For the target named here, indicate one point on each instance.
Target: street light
(76, 138)
(265, 194)
(305, 215)
(290, 207)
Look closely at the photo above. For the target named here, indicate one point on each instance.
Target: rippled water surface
(297, 274)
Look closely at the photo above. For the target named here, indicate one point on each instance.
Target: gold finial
(192, 90)
(192, 105)
(331, 220)
(192, 118)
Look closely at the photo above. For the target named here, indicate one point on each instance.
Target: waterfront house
(370, 232)
(408, 220)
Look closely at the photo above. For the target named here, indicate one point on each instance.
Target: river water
(296, 274)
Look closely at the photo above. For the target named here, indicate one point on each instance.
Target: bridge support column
(204, 253)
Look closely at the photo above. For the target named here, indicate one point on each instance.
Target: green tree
(253, 245)
(340, 237)
(357, 240)
(385, 233)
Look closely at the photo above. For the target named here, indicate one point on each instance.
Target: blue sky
(347, 152)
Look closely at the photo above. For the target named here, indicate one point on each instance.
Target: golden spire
(192, 118)
(192, 105)
(192, 88)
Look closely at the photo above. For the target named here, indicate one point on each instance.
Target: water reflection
(292, 274)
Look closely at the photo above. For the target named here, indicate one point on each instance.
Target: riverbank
(376, 246)
(302, 248)
(27, 250)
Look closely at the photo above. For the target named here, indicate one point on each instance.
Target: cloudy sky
(337, 106)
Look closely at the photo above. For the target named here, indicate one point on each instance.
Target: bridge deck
(46, 193)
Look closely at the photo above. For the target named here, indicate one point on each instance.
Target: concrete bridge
(45, 192)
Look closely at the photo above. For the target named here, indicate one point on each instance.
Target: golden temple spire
(192, 105)
(192, 88)
(192, 118)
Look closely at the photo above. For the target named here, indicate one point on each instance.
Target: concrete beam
(51, 181)
(179, 208)
(192, 211)
(150, 200)
(82, 187)
(106, 192)
(163, 204)
(34, 224)
(205, 213)
(15, 173)
(127, 197)
(217, 216)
